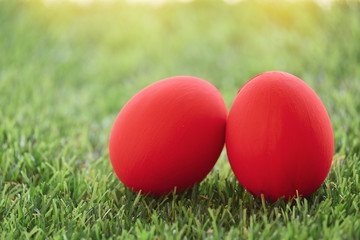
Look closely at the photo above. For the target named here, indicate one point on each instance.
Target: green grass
(66, 71)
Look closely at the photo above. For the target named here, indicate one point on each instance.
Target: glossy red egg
(279, 137)
(168, 135)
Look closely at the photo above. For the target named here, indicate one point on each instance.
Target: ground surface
(66, 71)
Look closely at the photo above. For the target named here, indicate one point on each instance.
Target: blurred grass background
(67, 69)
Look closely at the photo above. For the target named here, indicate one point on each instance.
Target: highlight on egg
(279, 137)
(170, 134)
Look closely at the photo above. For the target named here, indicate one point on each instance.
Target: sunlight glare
(324, 4)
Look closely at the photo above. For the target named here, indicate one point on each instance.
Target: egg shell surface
(170, 134)
(279, 137)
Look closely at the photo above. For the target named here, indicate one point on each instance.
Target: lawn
(66, 71)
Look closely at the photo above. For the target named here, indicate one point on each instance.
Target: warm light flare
(325, 4)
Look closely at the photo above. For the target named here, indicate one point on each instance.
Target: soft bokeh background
(77, 64)
(68, 67)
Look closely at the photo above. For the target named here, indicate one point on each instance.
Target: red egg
(168, 135)
(279, 138)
